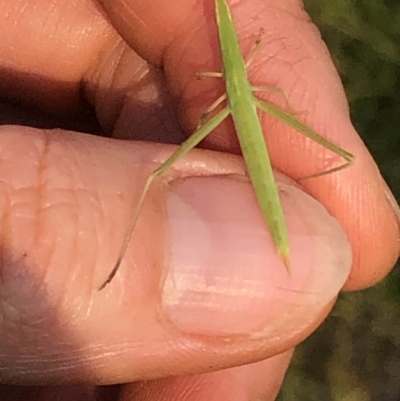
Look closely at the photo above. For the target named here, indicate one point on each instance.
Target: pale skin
(80, 64)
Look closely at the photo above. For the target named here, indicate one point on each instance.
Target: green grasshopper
(242, 105)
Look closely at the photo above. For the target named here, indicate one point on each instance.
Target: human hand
(67, 197)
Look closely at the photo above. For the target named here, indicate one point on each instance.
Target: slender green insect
(242, 105)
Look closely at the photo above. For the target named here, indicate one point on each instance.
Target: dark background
(355, 354)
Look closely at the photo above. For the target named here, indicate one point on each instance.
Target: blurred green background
(355, 354)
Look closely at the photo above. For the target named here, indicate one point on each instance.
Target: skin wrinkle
(45, 190)
(296, 64)
(282, 48)
(109, 122)
(90, 86)
(275, 61)
(42, 167)
(131, 13)
(40, 202)
(80, 33)
(100, 214)
(78, 214)
(6, 249)
(300, 14)
(129, 16)
(196, 27)
(115, 61)
(302, 44)
(140, 74)
(74, 205)
(6, 231)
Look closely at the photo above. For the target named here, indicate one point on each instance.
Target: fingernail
(224, 275)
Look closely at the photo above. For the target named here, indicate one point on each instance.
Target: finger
(90, 64)
(47, 47)
(201, 286)
(294, 59)
(258, 381)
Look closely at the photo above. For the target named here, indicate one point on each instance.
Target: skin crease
(65, 57)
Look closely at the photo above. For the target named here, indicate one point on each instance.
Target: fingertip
(198, 276)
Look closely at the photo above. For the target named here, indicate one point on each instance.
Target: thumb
(200, 286)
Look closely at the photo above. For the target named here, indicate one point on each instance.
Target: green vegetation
(355, 354)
